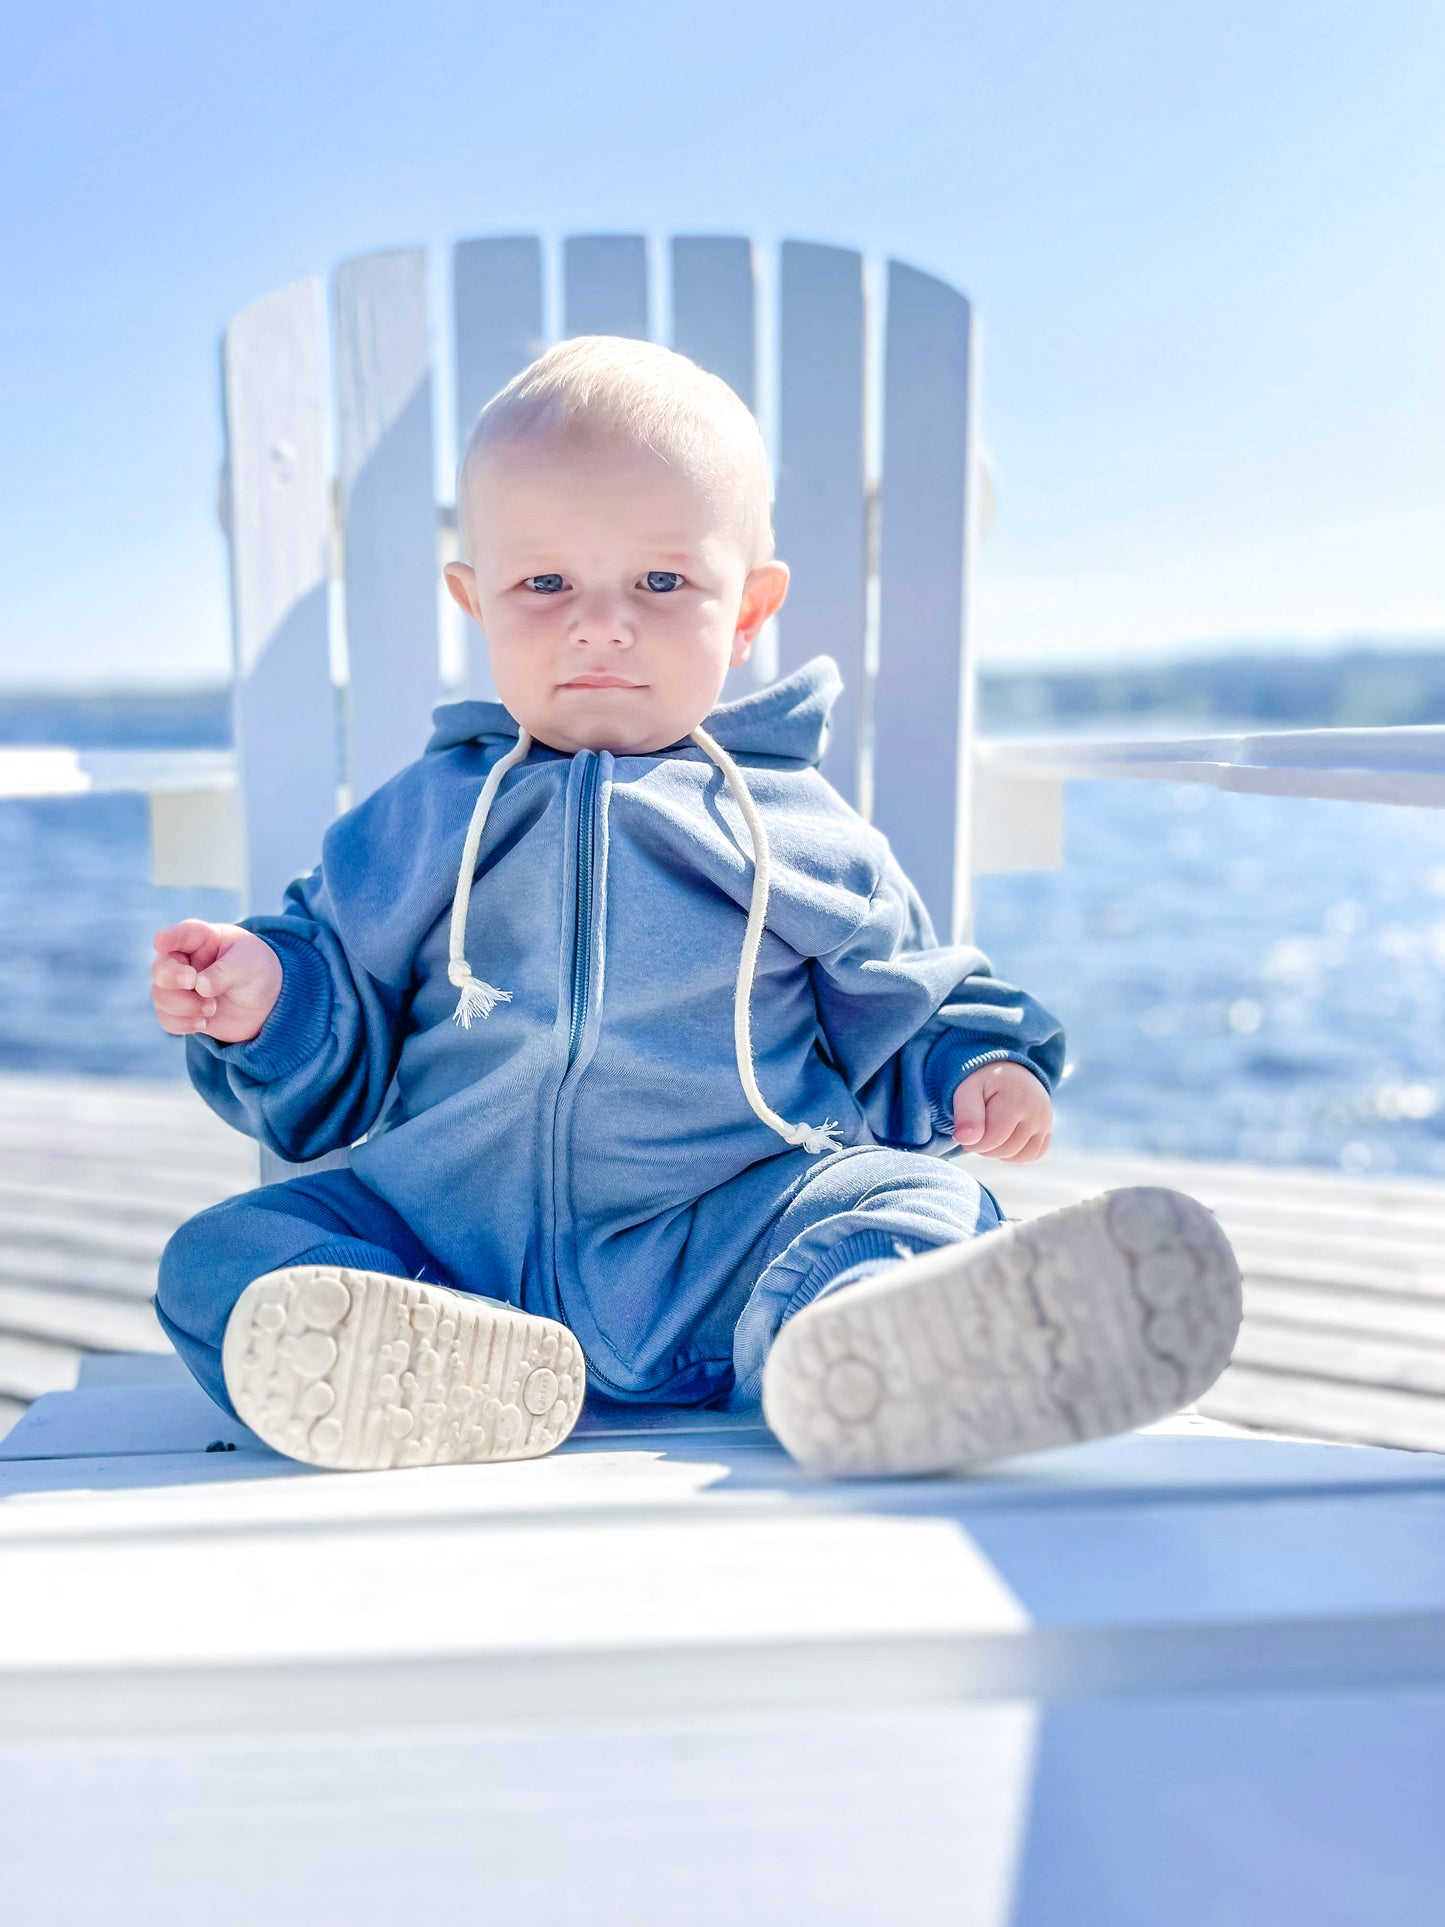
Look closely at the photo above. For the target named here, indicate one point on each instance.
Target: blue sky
(1206, 244)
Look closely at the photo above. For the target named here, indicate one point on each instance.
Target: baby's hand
(214, 977)
(1003, 1111)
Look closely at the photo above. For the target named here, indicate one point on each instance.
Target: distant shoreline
(1357, 687)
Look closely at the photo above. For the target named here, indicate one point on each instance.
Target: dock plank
(1344, 1331)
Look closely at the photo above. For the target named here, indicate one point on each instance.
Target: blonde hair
(594, 388)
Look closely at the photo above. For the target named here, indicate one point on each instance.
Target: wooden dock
(1343, 1338)
(951, 1699)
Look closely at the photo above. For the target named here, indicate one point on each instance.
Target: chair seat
(1089, 1685)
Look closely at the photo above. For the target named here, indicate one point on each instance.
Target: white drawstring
(478, 998)
(808, 1137)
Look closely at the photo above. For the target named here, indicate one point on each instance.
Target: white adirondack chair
(661, 1676)
(913, 529)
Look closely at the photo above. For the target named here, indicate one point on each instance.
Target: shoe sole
(1088, 1321)
(361, 1371)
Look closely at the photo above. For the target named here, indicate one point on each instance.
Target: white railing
(1017, 789)
(328, 501)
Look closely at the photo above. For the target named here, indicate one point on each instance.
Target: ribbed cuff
(854, 1275)
(355, 1255)
(950, 1061)
(297, 1023)
(857, 1248)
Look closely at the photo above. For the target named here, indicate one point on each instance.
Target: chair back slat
(715, 323)
(900, 744)
(922, 701)
(821, 516)
(497, 320)
(604, 285)
(714, 308)
(387, 489)
(278, 517)
(899, 747)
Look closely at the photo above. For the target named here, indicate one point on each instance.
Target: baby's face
(607, 561)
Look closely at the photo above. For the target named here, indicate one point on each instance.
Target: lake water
(1240, 977)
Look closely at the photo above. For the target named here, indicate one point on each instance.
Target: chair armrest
(1390, 765)
(195, 811)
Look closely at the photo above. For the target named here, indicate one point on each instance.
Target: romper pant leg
(326, 1219)
(864, 1201)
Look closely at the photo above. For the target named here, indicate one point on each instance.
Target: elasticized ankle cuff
(851, 1276)
(873, 1247)
(356, 1254)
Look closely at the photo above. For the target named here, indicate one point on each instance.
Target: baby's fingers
(183, 1003)
(1012, 1142)
(1032, 1151)
(1001, 1124)
(191, 938)
(173, 972)
(230, 975)
(181, 1026)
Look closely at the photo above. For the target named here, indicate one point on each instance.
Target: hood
(785, 723)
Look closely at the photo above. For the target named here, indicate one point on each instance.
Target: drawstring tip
(820, 1137)
(477, 1000)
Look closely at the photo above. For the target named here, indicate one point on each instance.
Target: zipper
(581, 982)
(582, 919)
(581, 990)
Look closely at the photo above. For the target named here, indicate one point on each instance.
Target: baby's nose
(601, 619)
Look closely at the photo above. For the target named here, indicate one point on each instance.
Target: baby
(651, 1041)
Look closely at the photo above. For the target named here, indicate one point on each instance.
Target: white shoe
(1086, 1321)
(360, 1370)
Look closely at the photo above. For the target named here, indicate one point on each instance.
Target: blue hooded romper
(692, 1090)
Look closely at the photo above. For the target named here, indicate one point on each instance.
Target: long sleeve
(907, 1019)
(314, 1077)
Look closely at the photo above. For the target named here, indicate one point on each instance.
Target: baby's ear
(763, 595)
(462, 581)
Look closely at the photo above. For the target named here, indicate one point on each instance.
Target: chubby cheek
(520, 673)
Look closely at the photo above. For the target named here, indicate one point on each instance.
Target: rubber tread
(361, 1371)
(1086, 1321)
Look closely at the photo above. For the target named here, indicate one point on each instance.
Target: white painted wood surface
(621, 1822)
(498, 329)
(1012, 822)
(714, 308)
(1404, 764)
(605, 287)
(924, 698)
(820, 517)
(663, 1674)
(196, 838)
(1015, 814)
(62, 771)
(95, 1175)
(387, 492)
(1344, 1278)
(666, 1648)
(496, 317)
(715, 323)
(278, 514)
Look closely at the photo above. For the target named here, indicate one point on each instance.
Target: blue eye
(664, 580)
(551, 583)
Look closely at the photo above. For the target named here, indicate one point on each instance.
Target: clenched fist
(214, 977)
(1003, 1111)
